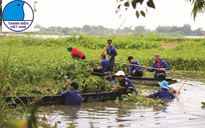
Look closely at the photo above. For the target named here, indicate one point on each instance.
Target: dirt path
(169, 44)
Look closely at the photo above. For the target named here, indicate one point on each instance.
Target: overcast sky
(77, 13)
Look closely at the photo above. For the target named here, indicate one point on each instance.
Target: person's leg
(160, 76)
(83, 57)
(138, 74)
(97, 70)
(111, 65)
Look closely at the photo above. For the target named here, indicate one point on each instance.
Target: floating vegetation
(140, 99)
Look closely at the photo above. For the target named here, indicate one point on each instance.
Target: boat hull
(142, 80)
(58, 99)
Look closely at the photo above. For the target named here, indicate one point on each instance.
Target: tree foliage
(199, 6)
(103, 31)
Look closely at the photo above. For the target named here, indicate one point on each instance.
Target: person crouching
(124, 82)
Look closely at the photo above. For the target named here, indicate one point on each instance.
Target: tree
(138, 30)
(37, 26)
(199, 6)
(198, 32)
(126, 30)
(59, 28)
(64, 30)
(86, 28)
(186, 29)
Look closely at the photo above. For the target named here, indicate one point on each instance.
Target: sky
(77, 13)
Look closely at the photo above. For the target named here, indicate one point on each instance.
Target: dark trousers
(138, 74)
(83, 57)
(111, 65)
(160, 76)
(97, 70)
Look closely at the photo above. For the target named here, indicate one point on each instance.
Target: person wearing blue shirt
(112, 53)
(135, 70)
(72, 96)
(103, 65)
(161, 65)
(164, 92)
(124, 82)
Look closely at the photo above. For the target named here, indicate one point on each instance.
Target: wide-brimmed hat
(164, 84)
(120, 73)
(158, 56)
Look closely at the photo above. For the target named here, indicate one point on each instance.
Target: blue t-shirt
(112, 52)
(135, 67)
(72, 97)
(127, 83)
(105, 64)
(163, 94)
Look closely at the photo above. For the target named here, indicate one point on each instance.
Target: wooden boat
(58, 99)
(142, 80)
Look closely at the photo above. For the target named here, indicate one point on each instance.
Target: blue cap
(69, 48)
(164, 84)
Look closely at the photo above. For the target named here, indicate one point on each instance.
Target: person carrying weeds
(161, 65)
(124, 82)
(103, 65)
(134, 70)
(75, 53)
(164, 92)
(72, 96)
(112, 53)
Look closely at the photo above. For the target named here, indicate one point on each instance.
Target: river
(184, 112)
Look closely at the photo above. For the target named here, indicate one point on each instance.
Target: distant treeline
(169, 31)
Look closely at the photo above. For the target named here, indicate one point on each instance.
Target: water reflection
(72, 112)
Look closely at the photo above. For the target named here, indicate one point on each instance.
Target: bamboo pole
(106, 45)
(155, 68)
(183, 84)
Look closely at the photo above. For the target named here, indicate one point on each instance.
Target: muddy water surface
(186, 112)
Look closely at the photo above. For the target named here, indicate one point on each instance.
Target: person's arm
(63, 93)
(138, 67)
(115, 53)
(151, 70)
(67, 82)
(166, 66)
(146, 95)
(101, 65)
(119, 87)
(107, 49)
(154, 94)
(130, 69)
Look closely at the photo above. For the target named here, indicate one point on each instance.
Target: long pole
(106, 45)
(183, 84)
(155, 68)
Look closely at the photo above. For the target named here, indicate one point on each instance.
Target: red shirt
(76, 52)
(158, 64)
